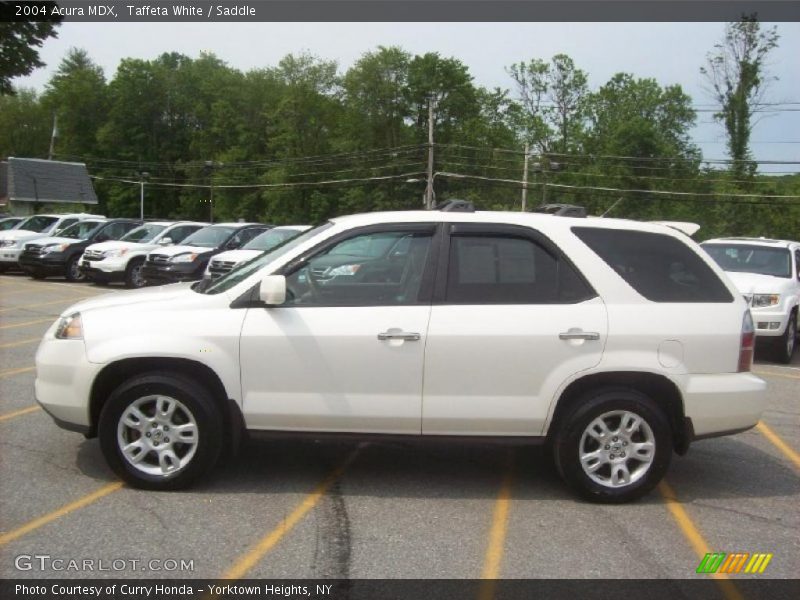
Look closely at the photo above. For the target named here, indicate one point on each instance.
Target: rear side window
(660, 267)
(498, 269)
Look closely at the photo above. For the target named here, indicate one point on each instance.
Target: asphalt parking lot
(301, 509)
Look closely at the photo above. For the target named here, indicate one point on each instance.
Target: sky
(669, 52)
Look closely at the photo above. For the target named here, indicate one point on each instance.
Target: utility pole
(53, 137)
(142, 176)
(210, 164)
(525, 181)
(429, 193)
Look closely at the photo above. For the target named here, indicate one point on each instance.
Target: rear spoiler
(688, 228)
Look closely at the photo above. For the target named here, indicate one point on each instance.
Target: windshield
(209, 237)
(37, 224)
(270, 239)
(82, 230)
(243, 271)
(746, 258)
(143, 233)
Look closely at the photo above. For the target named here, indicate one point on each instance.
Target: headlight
(115, 253)
(70, 328)
(763, 300)
(182, 258)
(55, 248)
(7, 243)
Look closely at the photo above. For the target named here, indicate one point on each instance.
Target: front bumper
(63, 381)
(719, 404)
(10, 256)
(171, 273)
(50, 263)
(109, 269)
(770, 323)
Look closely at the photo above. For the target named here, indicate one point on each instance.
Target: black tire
(786, 344)
(569, 438)
(72, 271)
(192, 399)
(133, 277)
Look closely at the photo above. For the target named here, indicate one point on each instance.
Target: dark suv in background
(188, 261)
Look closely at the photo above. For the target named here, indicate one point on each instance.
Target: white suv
(767, 273)
(122, 260)
(33, 228)
(614, 342)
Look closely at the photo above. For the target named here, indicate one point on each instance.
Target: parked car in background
(122, 260)
(267, 241)
(32, 228)
(616, 343)
(59, 255)
(7, 223)
(188, 260)
(767, 273)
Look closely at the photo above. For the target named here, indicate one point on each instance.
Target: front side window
(143, 233)
(81, 230)
(505, 269)
(209, 237)
(660, 267)
(370, 269)
(270, 239)
(748, 258)
(64, 225)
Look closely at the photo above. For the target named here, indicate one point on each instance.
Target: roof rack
(455, 205)
(561, 210)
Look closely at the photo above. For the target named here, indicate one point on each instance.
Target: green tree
(76, 93)
(737, 72)
(25, 124)
(19, 43)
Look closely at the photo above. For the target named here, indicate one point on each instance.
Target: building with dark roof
(28, 185)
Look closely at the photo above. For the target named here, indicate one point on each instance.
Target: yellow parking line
(10, 372)
(268, 542)
(27, 306)
(47, 320)
(773, 373)
(19, 413)
(497, 535)
(20, 342)
(778, 443)
(695, 538)
(60, 512)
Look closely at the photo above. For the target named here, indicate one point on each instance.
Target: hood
(21, 234)
(237, 256)
(755, 283)
(117, 245)
(171, 251)
(47, 241)
(157, 294)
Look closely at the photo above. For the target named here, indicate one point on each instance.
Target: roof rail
(561, 210)
(455, 205)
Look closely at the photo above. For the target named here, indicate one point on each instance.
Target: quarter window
(488, 269)
(660, 267)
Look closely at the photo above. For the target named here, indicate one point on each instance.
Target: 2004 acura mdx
(613, 341)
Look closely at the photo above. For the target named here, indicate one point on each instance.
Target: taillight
(748, 343)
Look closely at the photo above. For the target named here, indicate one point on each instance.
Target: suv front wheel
(160, 431)
(614, 446)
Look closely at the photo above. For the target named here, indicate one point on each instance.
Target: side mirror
(272, 290)
(165, 241)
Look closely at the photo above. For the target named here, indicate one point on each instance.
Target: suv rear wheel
(614, 446)
(160, 431)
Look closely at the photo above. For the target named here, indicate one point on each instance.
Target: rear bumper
(725, 403)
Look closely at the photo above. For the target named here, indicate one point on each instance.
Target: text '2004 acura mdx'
(614, 342)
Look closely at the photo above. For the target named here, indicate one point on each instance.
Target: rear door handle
(399, 335)
(578, 334)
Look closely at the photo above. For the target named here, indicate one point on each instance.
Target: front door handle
(399, 335)
(578, 334)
